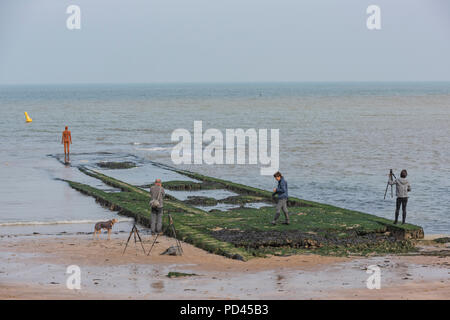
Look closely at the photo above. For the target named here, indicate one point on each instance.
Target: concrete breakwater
(242, 231)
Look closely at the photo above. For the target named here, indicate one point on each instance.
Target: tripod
(134, 231)
(391, 174)
(174, 233)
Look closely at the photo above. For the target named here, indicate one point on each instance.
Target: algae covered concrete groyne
(243, 229)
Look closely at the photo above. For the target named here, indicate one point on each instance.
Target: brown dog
(104, 225)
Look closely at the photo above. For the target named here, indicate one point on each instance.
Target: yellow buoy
(28, 119)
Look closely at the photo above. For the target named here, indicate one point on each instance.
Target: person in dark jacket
(402, 187)
(282, 192)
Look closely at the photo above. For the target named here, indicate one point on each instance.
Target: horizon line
(222, 82)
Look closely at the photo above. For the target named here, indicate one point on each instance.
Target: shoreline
(34, 268)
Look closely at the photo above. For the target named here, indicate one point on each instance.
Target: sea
(337, 143)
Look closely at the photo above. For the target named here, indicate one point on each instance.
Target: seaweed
(174, 274)
(243, 233)
(116, 165)
(442, 240)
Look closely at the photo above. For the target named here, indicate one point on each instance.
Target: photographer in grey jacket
(157, 194)
(402, 187)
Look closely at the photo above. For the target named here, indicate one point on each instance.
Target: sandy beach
(34, 267)
(299, 148)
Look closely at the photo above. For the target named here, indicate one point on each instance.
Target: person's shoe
(274, 222)
(286, 222)
(395, 222)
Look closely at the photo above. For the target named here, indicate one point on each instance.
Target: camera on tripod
(177, 249)
(391, 174)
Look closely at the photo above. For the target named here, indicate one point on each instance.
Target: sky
(159, 41)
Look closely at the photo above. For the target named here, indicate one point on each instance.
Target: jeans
(282, 205)
(401, 202)
(156, 220)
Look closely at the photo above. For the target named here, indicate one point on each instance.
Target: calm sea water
(337, 141)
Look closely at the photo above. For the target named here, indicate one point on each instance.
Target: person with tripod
(157, 194)
(402, 187)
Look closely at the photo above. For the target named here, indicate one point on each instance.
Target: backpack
(154, 203)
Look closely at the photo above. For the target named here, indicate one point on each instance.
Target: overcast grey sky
(223, 41)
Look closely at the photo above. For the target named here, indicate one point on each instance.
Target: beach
(338, 142)
(34, 267)
(295, 150)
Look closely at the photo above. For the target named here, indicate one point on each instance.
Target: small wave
(153, 149)
(45, 223)
(141, 143)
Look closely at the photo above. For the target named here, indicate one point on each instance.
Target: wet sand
(34, 267)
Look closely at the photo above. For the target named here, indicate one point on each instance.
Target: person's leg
(153, 221)
(159, 224)
(65, 148)
(397, 209)
(285, 210)
(404, 202)
(277, 214)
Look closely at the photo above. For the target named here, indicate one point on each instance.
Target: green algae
(442, 240)
(244, 233)
(174, 274)
(116, 165)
